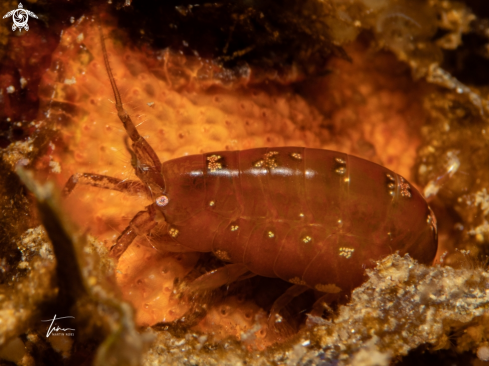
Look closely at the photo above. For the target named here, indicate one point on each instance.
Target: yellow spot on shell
(268, 160)
(296, 156)
(431, 220)
(271, 234)
(212, 203)
(346, 252)
(234, 227)
(330, 288)
(306, 239)
(405, 187)
(173, 232)
(222, 255)
(297, 281)
(213, 165)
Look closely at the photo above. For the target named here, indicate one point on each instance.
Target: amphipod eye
(162, 201)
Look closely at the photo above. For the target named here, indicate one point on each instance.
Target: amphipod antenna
(148, 165)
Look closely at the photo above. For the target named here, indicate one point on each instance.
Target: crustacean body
(312, 217)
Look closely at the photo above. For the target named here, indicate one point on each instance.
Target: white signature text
(56, 328)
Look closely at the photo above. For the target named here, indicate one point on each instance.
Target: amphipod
(315, 218)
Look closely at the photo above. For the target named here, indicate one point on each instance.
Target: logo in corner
(20, 17)
(55, 330)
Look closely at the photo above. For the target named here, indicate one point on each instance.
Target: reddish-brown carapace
(315, 218)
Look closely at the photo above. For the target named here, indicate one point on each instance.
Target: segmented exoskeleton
(312, 217)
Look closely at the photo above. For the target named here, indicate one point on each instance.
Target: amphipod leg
(275, 320)
(221, 276)
(130, 187)
(141, 224)
(148, 165)
(322, 304)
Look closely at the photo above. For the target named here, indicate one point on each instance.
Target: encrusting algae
(189, 102)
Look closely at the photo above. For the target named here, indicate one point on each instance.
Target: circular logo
(20, 17)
